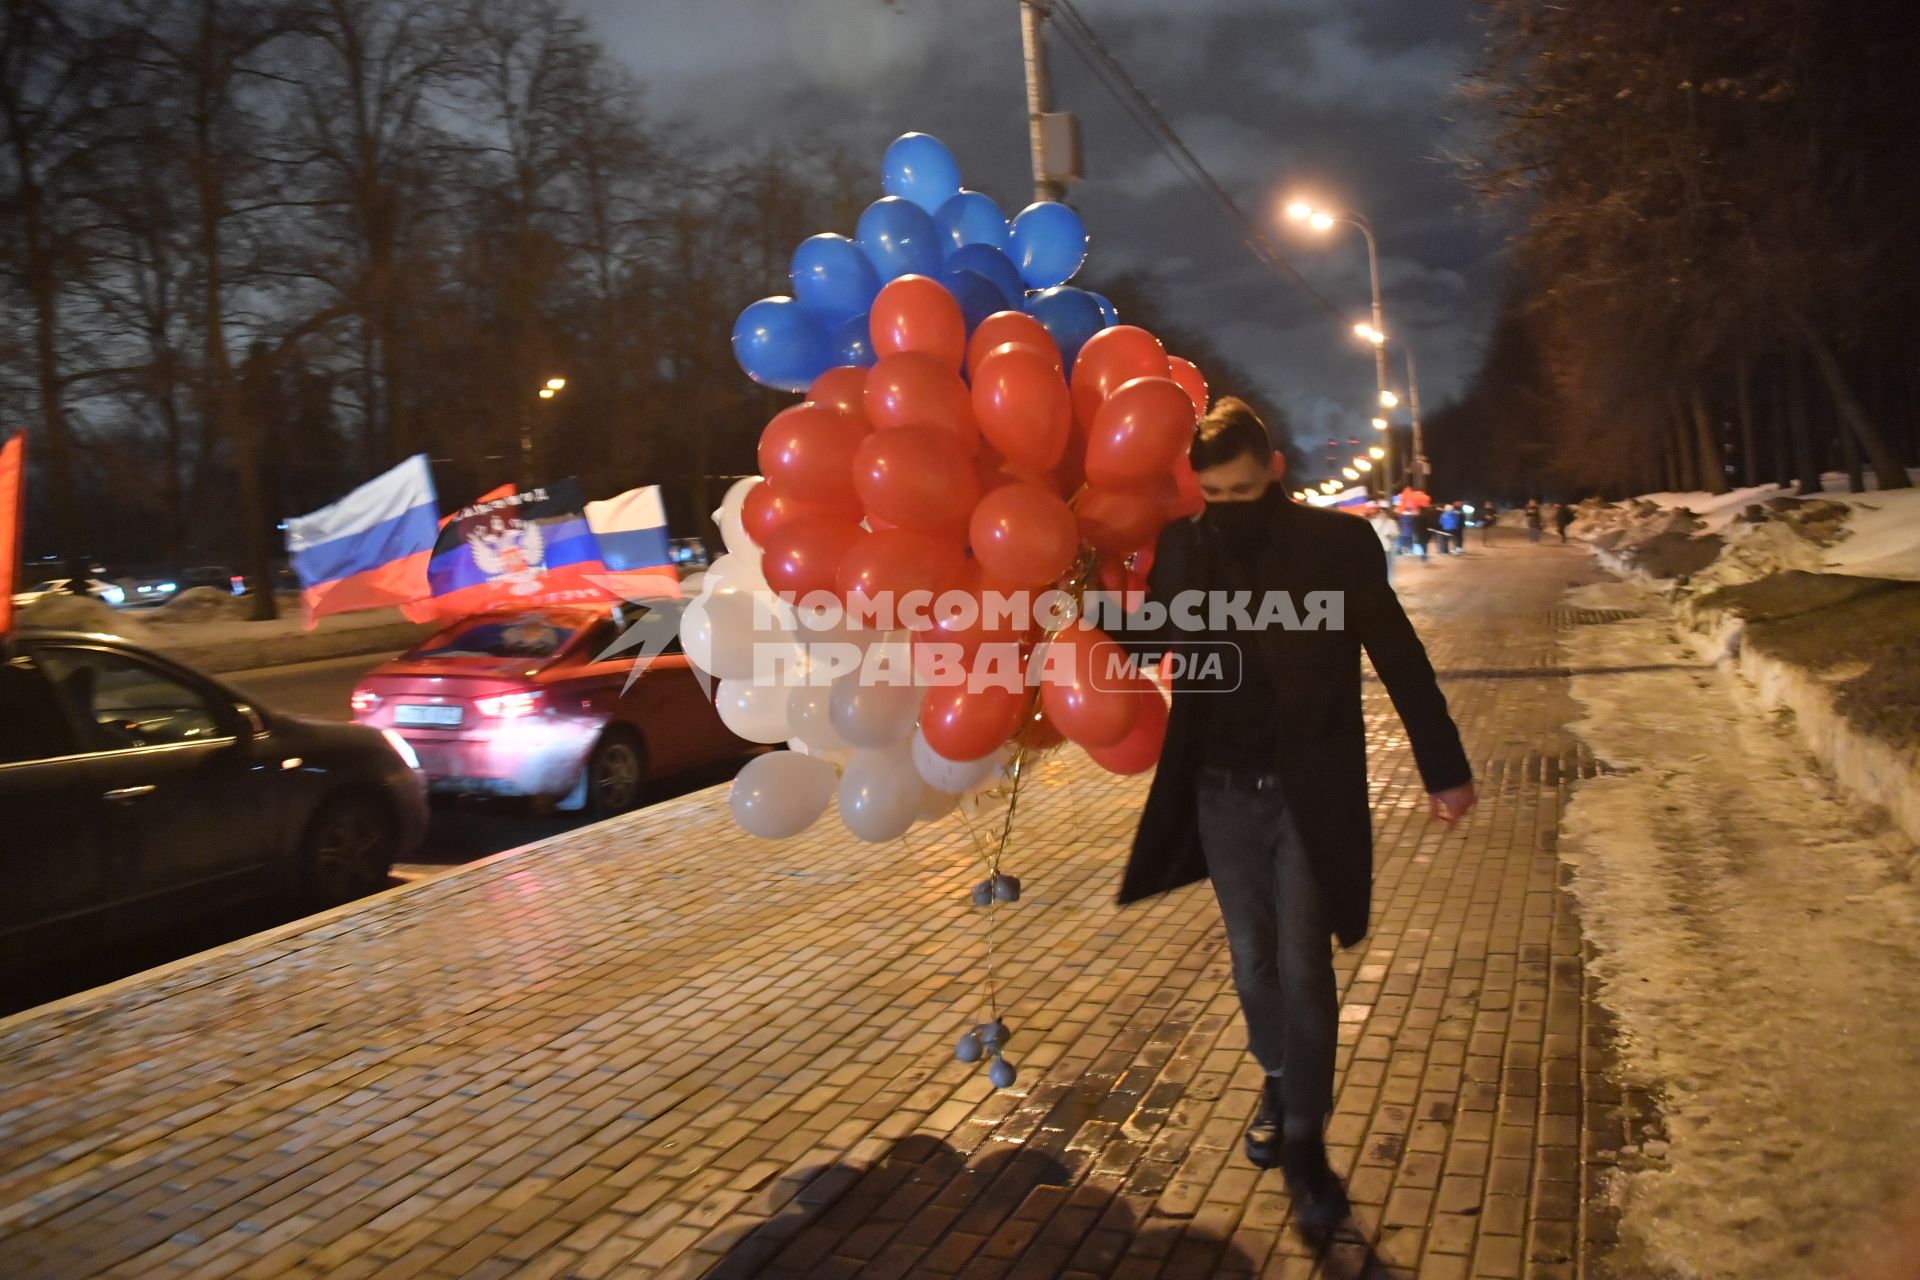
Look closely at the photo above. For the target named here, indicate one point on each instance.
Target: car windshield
(529, 636)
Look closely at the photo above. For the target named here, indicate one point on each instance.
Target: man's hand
(1451, 805)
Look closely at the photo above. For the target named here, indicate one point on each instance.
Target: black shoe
(1263, 1135)
(1319, 1201)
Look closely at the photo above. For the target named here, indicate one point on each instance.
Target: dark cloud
(1355, 104)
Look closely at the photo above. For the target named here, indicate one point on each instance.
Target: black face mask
(1238, 526)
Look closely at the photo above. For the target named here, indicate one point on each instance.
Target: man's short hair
(1230, 430)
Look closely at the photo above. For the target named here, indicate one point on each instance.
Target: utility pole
(1413, 407)
(1033, 41)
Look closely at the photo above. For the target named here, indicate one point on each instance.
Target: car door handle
(120, 795)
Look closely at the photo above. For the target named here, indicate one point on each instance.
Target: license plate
(419, 713)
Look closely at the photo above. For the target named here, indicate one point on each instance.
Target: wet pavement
(657, 1046)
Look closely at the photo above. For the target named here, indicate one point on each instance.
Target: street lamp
(1380, 424)
(1388, 400)
(546, 391)
(1322, 220)
(1376, 453)
(1363, 464)
(1367, 333)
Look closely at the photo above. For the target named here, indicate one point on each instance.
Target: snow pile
(202, 604)
(1758, 937)
(59, 611)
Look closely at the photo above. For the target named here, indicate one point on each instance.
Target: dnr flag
(513, 552)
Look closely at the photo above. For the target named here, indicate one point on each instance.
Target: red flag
(13, 505)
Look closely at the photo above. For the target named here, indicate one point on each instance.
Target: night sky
(1354, 103)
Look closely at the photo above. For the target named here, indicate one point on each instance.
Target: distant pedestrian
(1387, 528)
(1404, 523)
(1563, 518)
(1489, 513)
(1423, 527)
(1450, 526)
(1533, 519)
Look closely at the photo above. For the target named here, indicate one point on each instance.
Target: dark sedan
(137, 795)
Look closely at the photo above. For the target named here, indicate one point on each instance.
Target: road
(461, 831)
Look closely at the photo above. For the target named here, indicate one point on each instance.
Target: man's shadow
(925, 1208)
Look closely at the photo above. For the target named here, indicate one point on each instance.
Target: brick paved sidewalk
(658, 1046)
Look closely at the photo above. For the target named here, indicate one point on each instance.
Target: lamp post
(547, 391)
(1376, 333)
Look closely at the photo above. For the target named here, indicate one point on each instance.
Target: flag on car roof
(370, 549)
(527, 548)
(631, 528)
(13, 503)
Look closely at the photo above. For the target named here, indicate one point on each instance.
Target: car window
(124, 702)
(32, 726)
(530, 635)
(638, 629)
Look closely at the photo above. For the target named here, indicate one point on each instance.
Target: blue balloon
(970, 218)
(898, 238)
(832, 279)
(1048, 242)
(918, 167)
(1109, 314)
(978, 296)
(1070, 316)
(997, 267)
(851, 343)
(780, 345)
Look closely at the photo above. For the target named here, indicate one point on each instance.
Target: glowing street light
(1388, 400)
(1376, 453)
(1368, 333)
(1299, 210)
(556, 384)
(1363, 464)
(1379, 424)
(546, 393)
(1349, 473)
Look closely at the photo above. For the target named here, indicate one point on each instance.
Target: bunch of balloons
(972, 425)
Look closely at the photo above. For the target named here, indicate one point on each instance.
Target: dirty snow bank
(1817, 601)
(1758, 937)
(209, 631)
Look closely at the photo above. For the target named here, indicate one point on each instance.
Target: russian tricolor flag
(370, 549)
(631, 528)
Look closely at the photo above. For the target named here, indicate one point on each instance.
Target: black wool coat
(1321, 759)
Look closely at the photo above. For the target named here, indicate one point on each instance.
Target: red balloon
(1023, 536)
(914, 478)
(1111, 358)
(1117, 521)
(808, 452)
(916, 313)
(1186, 499)
(1003, 327)
(1022, 406)
(913, 389)
(1187, 374)
(842, 387)
(893, 562)
(1091, 707)
(1139, 751)
(767, 508)
(803, 556)
(1042, 734)
(1142, 430)
(971, 613)
(966, 724)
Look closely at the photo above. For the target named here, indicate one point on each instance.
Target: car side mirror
(251, 722)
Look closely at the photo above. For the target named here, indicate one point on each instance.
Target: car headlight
(402, 748)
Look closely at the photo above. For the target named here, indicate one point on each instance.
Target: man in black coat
(1262, 784)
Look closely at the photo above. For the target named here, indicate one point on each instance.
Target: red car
(521, 704)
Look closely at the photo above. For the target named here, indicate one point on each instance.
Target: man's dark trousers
(1279, 935)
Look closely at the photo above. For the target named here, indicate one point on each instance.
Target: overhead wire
(1079, 36)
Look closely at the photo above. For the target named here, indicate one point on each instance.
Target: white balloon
(735, 497)
(955, 777)
(781, 794)
(725, 631)
(935, 803)
(756, 712)
(736, 571)
(880, 794)
(837, 758)
(812, 723)
(873, 715)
